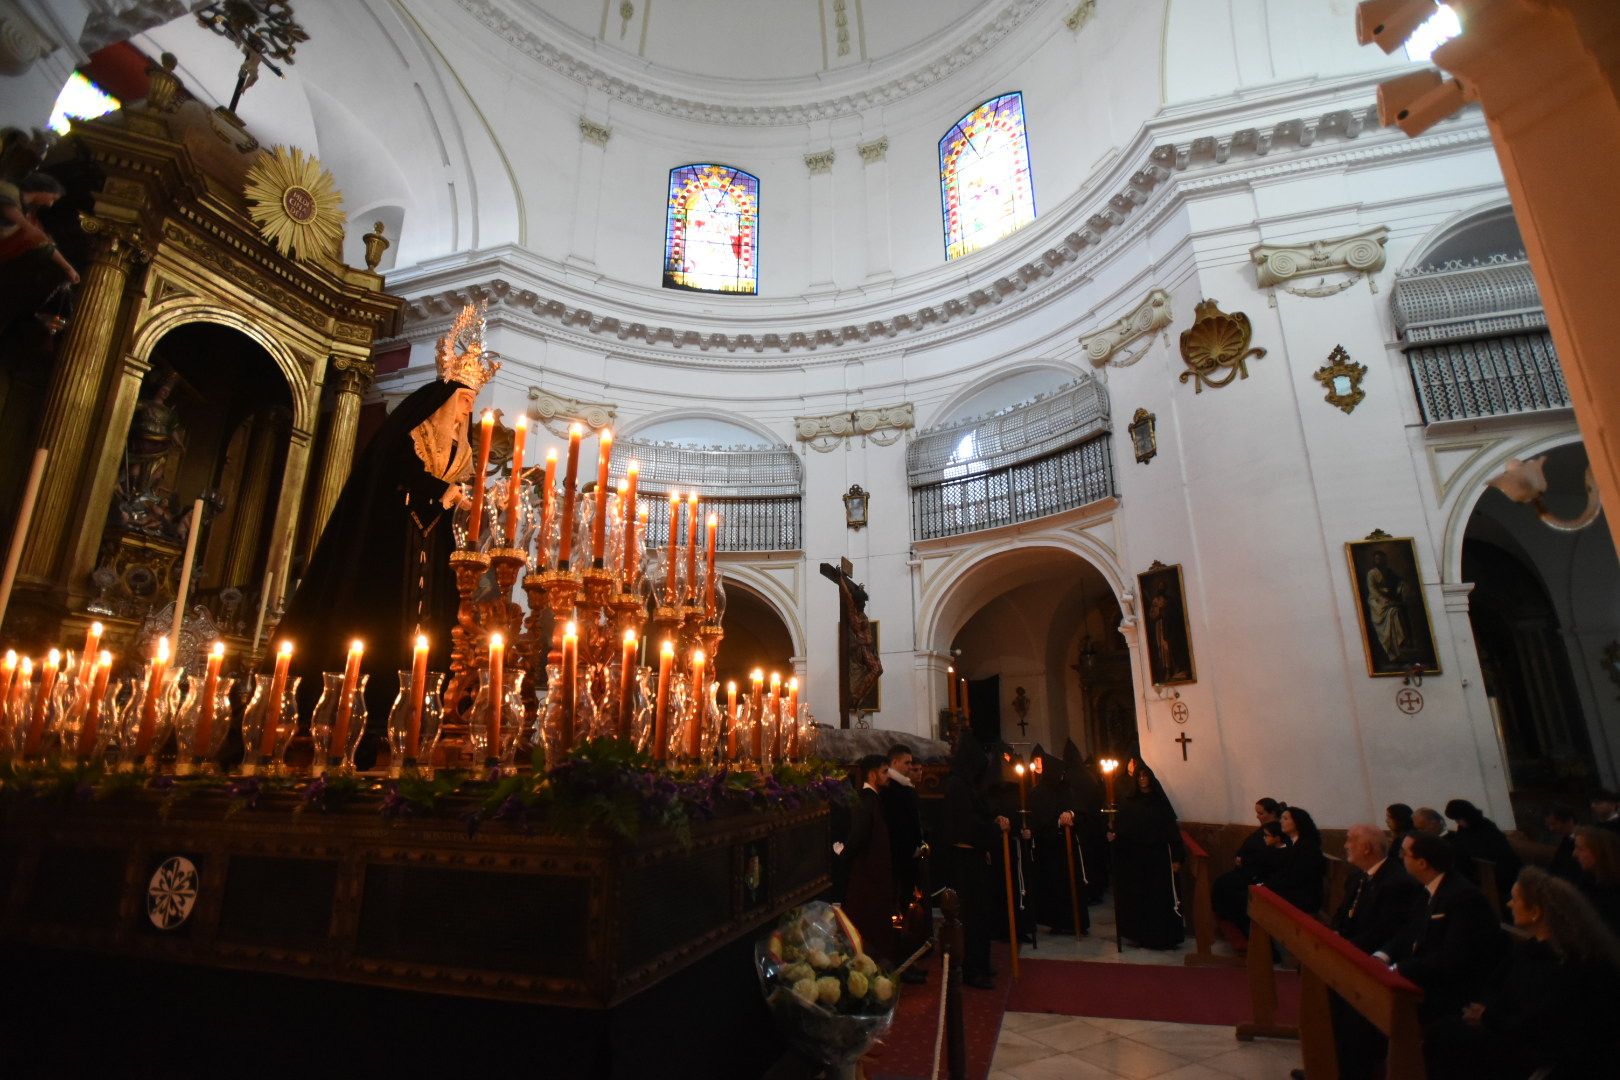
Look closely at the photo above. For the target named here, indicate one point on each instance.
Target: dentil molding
(557, 412)
(1360, 255)
(1153, 313)
(883, 426)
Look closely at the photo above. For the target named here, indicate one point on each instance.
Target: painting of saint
(1395, 629)
(1167, 639)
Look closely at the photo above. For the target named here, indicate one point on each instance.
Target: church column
(353, 376)
(875, 159)
(75, 393)
(252, 494)
(822, 226)
(293, 477)
(106, 450)
(588, 190)
(930, 690)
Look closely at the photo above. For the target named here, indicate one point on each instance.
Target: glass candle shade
(701, 710)
(507, 705)
(167, 694)
(191, 753)
(331, 752)
(403, 718)
(280, 716)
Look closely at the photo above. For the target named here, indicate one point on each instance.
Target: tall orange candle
(345, 709)
(1023, 787)
(731, 719)
(149, 703)
(278, 691)
(708, 572)
(691, 546)
(773, 708)
(967, 713)
(666, 661)
(1108, 767)
(604, 455)
(8, 672)
(950, 686)
(210, 691)
(475, 523)
(514, 488)
(627, 684)
(674, 552)
(756, 707)
(634, 529)
(700, 685)
(548, 507)
(632, 477)
(419, 659)
(793, 716)
(570, 682)
(92, 712)
(42, 701)
(87, 658)
(497, 690)
(565, 543)
(23, 684)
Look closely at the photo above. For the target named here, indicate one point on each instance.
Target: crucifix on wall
(1020, 704)
(859, 666)
(1183, 740)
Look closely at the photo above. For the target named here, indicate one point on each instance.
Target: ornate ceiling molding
(1090, 240)
(557, 412)
(883, 426)
(1153, 313)
(1360, 255)
(532, 43)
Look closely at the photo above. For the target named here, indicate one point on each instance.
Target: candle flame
(96, 629)
(793, 683)
(697, 656)
(54, 659)
(163, 648)
(776, 679)
(571, 630)
(551, 456)
(624, 488)
(675, 496)
(692, 498)
(731, 686)
(357, 646)
(607, 437)
(105, 659)
(497, 641)
(11, 658)
(422, 642)
(488, 418)
(629, 637)
(218, 650)
(286, 647)
(1109, 764)
(27, 666)
(714, 520)
(669, 648)
(758, 675)
(1019, 768)
(576, 430)
(633, 467)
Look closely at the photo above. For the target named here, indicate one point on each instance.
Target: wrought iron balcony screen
(1071, 477)
(756, 490)
(767, 523)
(1021, 433)
(1458, 301)
(1496, 376)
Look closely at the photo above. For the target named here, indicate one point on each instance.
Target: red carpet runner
(908, 1052)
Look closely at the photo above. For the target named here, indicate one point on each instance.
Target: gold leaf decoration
(295, 204)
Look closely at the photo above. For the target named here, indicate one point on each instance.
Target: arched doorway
(756, 637)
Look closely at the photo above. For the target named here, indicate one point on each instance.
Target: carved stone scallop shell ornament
(1217, 342)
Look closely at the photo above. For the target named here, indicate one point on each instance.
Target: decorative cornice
(1153, 313)
(819, 163)
(527, 40)
(874, 151)
(557, 412)
(1358, 255)
(882, 425)
(594, 132)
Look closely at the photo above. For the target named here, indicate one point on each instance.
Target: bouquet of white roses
(829, 998)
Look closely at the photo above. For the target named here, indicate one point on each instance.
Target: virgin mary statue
(381, 572)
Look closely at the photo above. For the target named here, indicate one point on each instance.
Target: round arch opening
(756, 636)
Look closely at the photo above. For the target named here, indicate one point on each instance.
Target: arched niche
(758, 635)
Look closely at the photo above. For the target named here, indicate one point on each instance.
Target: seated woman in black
(1398, 820)
(1299, 876)
(1477, 837)
(1550, 1004)
(1229, 893)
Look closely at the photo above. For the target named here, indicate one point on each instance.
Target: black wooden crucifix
(1183, 740)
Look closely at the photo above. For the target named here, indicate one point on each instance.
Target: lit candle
(413, 734)
(514, 489)
(497, 691)
(674, 553)
(626, 517)
(210, 690)
(632, 477)
(666, 660)
(708, 572)
(756, 708)
(793, 716)
(694, 744)
(345, 709)
(565, 545)
(967, 713)
(950, 684)
(773, 707)
(1108, 767)
(8, 672)
(604, 454)
(627, 683)
(42, 701)
(24, 683)
(691, 546)
(570, 682)
(185, 571)
(87, 658)
(92, 712)
(149, 704)
(634, 530)
(278, 693)
(1023, 788)
(548, 508)
(731, 719)
(475, 523)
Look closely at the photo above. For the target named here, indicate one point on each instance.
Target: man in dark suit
(869, 896)
(1455, 941)
(902, 811)
(1560, 822)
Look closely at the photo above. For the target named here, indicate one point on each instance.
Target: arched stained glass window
(984, 184)
(711, 236)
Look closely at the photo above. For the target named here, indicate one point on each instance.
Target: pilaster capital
(819, 163)
(121, 242)
(594, 132)
(874, 151)
(353, 376)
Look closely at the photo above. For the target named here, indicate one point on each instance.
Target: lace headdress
(461, 355)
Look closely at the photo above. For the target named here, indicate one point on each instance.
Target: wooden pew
(1327, 963)
(1203, 911)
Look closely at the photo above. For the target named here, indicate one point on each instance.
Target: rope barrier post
(1074, 888)
(950, 934)
(1012, 904)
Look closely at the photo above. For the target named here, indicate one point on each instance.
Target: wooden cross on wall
(1183, 740)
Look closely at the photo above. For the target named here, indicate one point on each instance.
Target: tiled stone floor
(1043, 1046)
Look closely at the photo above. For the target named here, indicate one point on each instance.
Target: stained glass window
(711, 237)
(984, 184)
(80, 99)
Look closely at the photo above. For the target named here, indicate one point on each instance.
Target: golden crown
(461, 355)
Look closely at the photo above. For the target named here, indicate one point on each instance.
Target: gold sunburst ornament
(295, 204)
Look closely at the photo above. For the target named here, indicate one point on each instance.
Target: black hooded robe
(1148, 841)
(1054, 901)
(969, 834)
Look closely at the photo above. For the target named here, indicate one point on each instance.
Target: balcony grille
(766, 523)
(1495, 376)
(1071, 477)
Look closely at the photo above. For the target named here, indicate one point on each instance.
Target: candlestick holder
(413, 736)
(196, 749)
(495, 727)
(334, 748)
(465, 641)
(264, 711)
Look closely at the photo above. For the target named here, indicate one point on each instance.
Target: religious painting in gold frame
(1167, 638)
(1144, 432)
(1397, 637)
(873, 701)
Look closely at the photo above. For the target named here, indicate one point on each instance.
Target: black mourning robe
(1148, 841)
(381, 572)
(1090, 824)
(869, 894)
(968, 835)
(1054, 902)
